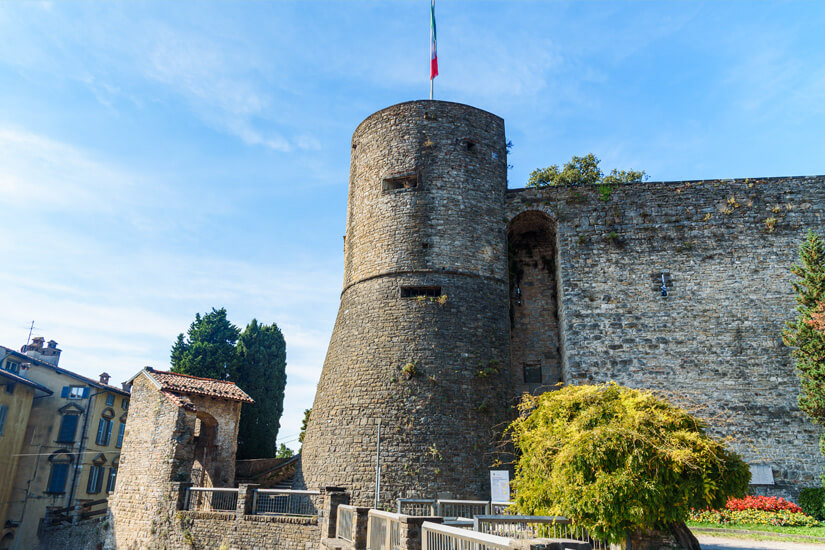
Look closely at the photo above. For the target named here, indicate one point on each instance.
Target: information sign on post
(499, 485)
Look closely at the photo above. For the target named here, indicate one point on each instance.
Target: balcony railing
(211, 499)
(286, 502)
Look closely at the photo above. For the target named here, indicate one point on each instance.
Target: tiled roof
(19, 379)
(175, 383)
(61, 370)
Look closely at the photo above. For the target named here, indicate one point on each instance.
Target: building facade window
(10, 388)
(57, 477)
(13, 366)
(95, 483)
(4, 412)
(74, 392)
(124, 404)
(121, 430)
(104, 431)
(110, 400)
(110, 484)
(532, 373)
(68, 428)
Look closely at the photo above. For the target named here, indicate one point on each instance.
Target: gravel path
(724, 543)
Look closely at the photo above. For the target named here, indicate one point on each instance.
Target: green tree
(581, 171)
(617, 461)
(805, 334)
(209, 347)
(284, 452)
(261, 372)
(304, 424)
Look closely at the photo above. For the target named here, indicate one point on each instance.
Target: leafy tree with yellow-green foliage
(581, 171)
(617, 461)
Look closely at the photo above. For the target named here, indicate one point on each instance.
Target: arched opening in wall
(6, 541)
(206, 450)
(535, 354)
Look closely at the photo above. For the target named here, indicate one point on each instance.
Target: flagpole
(433, 54)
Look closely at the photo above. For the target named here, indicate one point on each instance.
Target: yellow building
(71, 446)
(16, 395)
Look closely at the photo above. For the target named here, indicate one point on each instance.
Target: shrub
(767, 504)
(617, 460)
(754, 517)
(812, 502)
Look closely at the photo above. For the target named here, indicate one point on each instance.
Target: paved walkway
(724, 543)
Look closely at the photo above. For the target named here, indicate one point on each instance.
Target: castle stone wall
(415, 362)
(715, 340)
(159, 447)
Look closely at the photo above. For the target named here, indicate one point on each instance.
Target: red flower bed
(767, 504)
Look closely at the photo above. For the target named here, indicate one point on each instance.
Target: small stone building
(181, 428)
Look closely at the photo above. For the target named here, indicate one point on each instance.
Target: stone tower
(421, 341)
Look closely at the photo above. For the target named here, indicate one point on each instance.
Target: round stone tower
(421, 341)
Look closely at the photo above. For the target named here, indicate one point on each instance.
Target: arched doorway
(535, 354)
(206, 434)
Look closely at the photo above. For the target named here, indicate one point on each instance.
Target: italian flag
(433, 54)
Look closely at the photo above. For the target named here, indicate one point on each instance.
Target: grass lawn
(806, 531)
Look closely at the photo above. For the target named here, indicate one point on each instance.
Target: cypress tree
(805, 333)
(261, 372)
(209, 347)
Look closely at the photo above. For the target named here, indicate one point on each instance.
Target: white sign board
(499, 485)
(761, 474)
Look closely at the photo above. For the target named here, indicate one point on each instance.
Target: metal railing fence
(450, 508)
(435, 536)
(345, 523)
(462, 508)
(528, 527)
(416, 506)
(286, 502)
(211, 499)
(383, 531)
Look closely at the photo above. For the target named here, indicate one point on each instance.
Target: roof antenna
(31, 328)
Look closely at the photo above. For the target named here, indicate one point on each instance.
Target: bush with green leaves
(617, 460)
(812, 502)
(582, 171)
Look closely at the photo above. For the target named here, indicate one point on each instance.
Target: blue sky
(161, 158)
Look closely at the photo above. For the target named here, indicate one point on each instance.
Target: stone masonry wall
(214, 530)
(85, 535)
(442, 230)
(148, 461)
(726, 248)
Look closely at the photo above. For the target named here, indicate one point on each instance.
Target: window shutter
(90, 484)
(68, 427)
(110, 486)
(85, 393)
(109, 431)
(4, 410)
(64, 393)
(120, 432)
(57, 479)
(101, 429)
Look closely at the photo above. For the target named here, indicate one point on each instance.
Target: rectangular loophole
(423, 291)
(397, 183)
(662, 278)
(532, 373)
